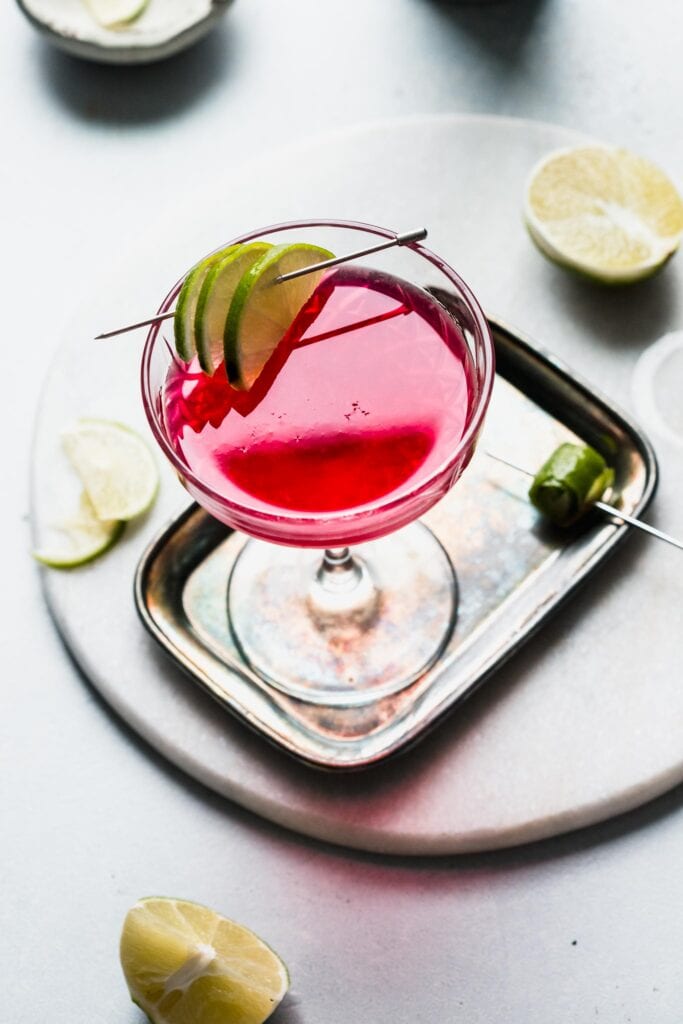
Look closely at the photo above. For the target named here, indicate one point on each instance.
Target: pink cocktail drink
(365, 414)
(364, 400)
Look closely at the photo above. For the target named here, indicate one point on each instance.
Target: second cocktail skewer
(405, 238)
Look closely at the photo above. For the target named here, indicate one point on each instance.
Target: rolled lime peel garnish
(569, 482)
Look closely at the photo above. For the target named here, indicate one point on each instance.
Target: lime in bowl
(328, 410)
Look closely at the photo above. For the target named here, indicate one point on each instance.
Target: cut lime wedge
(184, 962)
(115, 467)
(186, 305)
(603, 212)
(78, 540)
(261, 311)
(215, 297)
(116, 13)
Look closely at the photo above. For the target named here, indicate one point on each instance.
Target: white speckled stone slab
(584, 723)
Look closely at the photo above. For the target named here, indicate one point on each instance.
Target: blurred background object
(147, 32)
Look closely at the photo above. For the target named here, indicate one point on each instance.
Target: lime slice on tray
(116, 13)
(78, 540)
(262, 312)
(215, 297)
(186, 306)
(185, 963)
(115, 467)
(603, 212)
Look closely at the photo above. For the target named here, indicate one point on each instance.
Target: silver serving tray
(513, 569)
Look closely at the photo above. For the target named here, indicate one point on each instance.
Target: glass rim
(242, 509)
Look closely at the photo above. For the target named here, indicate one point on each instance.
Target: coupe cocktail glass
(365, 416)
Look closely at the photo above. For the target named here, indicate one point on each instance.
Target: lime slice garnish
(184, 962)
(215, 298)
(115, 467)
(186, 305)
(261, 312)
(78, 540)
(116, 13)
(603, 212)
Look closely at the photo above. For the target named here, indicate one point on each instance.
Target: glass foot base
(360, 628)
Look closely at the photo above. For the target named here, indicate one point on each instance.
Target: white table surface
(586, 927)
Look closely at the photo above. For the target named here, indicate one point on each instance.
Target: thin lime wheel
(215, 298)
(186, 304)
(262, 311)
(604, 212)
(186, 964)
(78, 540)
(115, 467)
(116, 14)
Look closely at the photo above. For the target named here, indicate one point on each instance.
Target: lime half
(116, 13)
(185, 963)
(186, 306)
(215, 297)
(78, 540)
(115, 467)
(603, 212)
(262, 312)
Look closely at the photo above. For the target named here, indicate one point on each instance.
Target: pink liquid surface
(367, 395)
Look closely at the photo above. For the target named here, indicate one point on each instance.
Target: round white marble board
(586, 721)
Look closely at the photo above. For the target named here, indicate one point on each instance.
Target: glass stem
(343, 591)
(339, 571)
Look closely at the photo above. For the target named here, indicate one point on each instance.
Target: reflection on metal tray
(513, 570)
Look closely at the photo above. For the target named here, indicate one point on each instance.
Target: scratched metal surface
(513, 570)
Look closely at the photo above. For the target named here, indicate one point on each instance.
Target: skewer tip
(418, 235)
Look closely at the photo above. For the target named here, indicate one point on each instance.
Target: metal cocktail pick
(403, 239)
(609, 510)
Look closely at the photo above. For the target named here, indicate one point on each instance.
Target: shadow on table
(381, 780)
(505, 859)
(137, 94)
(500, 27)
(625, 563)
(623, 317)
(287, 1012)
